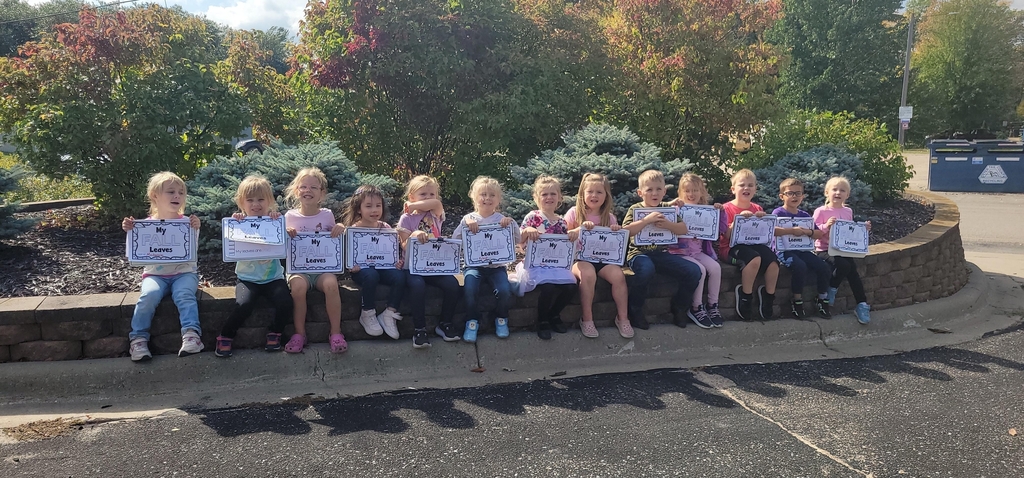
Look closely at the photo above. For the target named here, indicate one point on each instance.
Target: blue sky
(263, 14)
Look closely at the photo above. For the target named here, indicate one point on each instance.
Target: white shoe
(387, 321)
(190, 343)
(140, 350)
(368, 319)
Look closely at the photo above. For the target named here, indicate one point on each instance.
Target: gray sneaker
(139, 350)
(700, 317)
(190, 343)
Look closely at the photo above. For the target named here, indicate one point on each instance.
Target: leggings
(711, 270)
(246, 294)
(747, 253)
(843, 268)
(417, 294)
(553, 298)
(799, 262)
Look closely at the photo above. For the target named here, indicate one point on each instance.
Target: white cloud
(261, 14)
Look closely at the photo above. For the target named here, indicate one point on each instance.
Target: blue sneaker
(470, 334)
(831, 298)
(862, 313)
(501, 327)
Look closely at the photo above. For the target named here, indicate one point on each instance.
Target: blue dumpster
(995, 166)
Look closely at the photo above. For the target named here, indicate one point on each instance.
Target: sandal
(625, 329)
(338, 344)
(588, 329)
(295, 344)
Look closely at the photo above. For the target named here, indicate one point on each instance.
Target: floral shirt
(536, 220)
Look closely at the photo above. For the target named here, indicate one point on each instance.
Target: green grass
(36, 188)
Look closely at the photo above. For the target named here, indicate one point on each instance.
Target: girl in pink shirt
(837, 191)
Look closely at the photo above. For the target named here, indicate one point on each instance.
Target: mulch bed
(68, 254)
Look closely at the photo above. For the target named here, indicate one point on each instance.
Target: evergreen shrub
(211, 192)
(814, 167)
(885, 168)
(9, 225)
(597, 148)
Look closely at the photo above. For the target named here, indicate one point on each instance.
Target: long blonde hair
(581, 199)
(156, 186)
(419, 182)
(832, 182)
(256, 187)
(292, 191)
(690, 178)
(484, 182)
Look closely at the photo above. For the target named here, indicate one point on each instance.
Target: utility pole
(906, 72)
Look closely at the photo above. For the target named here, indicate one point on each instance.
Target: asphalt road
(944, 411)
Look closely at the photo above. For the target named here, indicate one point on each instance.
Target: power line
(112, 4)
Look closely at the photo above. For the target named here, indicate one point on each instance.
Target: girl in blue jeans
(167, 194)
(366, 209)
(486, 195)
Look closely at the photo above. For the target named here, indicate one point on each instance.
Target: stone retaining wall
(925, 265)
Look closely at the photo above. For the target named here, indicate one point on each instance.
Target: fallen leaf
(939, 331)
(479, 370)
(1013, 432)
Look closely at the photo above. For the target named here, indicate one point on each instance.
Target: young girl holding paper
(594, 203)
(556, 285)
(701, 252)
(255, 197)
(366, 209)
(166, 192)
(837, 191)
(305, 193)
(423, 216)
(486, 195)
(757, 258)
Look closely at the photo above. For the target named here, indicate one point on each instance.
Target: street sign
(904, 124)
(906, 112)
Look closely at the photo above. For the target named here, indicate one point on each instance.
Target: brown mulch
(67, 254)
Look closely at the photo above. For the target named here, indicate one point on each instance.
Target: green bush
(212, 190)
(885, 169)
(34, 188)
(814, 167)
(9, 225)
(597, 148)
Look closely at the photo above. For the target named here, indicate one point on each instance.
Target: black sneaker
(766, 302)
(744, 304)
(447, 332)
(558, 326)
(639, 322)
(714, 315)
(798, 309)
(420, 339)
(700, 317)
(823, 309)
(544, 330)
(680, 315)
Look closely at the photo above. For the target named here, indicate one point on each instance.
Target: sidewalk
(115, 388)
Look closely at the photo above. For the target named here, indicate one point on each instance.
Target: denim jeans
(368, 279)
(182, 288)
(502, 290)
(645, 265)
(417, 294)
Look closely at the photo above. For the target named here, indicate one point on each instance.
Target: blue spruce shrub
(212, 190)
(9, 225)
(814, 167)
(597, 148)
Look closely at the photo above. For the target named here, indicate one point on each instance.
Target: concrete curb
(60, 203)
(118, 387)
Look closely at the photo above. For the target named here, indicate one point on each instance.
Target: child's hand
(746, 213)
(759, 214)
(337, 230)
(291, 231)
(678, 202)
(588, 225)
(530, 234)
(505, 221)
(654, 218)
(472, 226)
(573, 234)
(830, 222)
(354, 268)
(274, 215)
(614, 227)
(806, 232)
(718, 206)
(128, 224)
(238, 216)
(867, 224)
(193, 221)
(420, 236)
(405, 208)
(400, 263)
